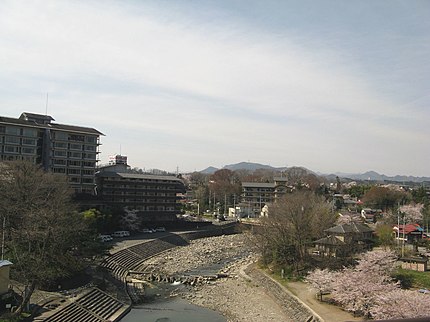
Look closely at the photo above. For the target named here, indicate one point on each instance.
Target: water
(161, 307)
(175, 310)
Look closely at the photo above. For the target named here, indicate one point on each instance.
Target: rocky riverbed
(234, 296)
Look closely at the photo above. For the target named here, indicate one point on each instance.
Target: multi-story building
(255, 195)
(155, 197)
(65, 149)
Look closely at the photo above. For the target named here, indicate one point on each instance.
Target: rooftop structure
(66, 149)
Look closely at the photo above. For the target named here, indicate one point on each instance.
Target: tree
(401, 304)
(45, 235)
(224, 185)
(321, 280)
(413, 213)
(385, 235)
(383, 198)
(357, 288)
(293, 222)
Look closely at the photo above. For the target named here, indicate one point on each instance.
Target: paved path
(328, 312)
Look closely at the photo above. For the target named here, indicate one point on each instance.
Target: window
(75, 146)
(60, 153)
(11, 149)
(59, 170)
(75, 163)
(13, 130)
(12, 140)
(60, 145)
(62, 136)
(90, 148)
(26, 141)
(88, 172)
(2, 129)
(73, 171)
(89, 155)
(74, 137)
(75, 155)
(91, 139)
(91, 164)
(59, 162)
(27, 150)
(29, 132)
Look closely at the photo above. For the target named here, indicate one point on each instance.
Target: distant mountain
(369, 175)
(243, 166)
(251, 166)
(374, 176)
(209, 170)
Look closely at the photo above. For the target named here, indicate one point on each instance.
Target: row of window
(14, 130)
(64, 136)
(146, 208)
(18, 150)
(132, 193)
(16, 140)
(146, 180)
(6, 157)
(81, 180)
(74, 155)
(74, 146)
(73, 163)
(144, 185)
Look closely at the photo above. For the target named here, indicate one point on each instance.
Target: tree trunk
(29, 289)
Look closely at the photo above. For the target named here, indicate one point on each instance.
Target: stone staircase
(93, 306)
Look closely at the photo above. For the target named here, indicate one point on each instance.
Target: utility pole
(2, 238)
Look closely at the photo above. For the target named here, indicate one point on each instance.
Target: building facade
(155, 197)
(255, 195)
(59, 148)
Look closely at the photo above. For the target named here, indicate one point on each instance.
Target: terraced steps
(94, 306)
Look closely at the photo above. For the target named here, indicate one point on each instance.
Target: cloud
(226, 90)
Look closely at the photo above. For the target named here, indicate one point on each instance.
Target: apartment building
(155, 197)
(65, 149)
(255, 195)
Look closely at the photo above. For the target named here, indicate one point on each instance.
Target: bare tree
(44, 232)
(293, 223)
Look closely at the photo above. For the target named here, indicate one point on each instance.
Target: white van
(121, 233)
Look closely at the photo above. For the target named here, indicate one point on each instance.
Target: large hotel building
(59, 148)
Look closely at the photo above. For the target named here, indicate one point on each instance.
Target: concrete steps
(94, 306)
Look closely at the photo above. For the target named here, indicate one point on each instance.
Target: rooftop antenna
(46, 106)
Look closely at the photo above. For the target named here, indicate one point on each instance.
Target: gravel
(235, 296)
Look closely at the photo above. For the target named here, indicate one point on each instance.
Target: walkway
(327, 312)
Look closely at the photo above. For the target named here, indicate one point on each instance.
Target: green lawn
(416, 279)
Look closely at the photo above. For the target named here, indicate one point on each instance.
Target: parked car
(147, 231)
(105, 238)
(161, 229)
(121, 233)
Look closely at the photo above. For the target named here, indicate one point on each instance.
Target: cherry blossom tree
(130, 220)
(321, 280)
(401, 304)
(357, 289)
(413, 212)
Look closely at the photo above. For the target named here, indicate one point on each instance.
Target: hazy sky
(328, 85)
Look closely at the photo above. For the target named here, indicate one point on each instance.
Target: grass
(417, 279)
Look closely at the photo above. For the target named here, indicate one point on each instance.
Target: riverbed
(231, 299)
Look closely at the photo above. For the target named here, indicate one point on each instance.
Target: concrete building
(255, 195)
(155, 197)
(4, 276)
(65, 149)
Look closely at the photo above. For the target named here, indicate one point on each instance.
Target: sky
(333, 86)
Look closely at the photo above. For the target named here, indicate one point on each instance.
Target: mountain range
(367, 176)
